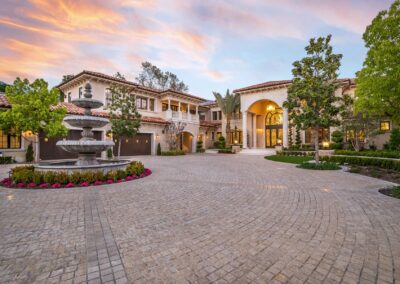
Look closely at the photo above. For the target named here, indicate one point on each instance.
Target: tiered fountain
(87, 147)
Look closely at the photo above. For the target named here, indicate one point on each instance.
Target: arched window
(274, 118)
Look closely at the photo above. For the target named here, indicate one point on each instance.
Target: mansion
(261, 122)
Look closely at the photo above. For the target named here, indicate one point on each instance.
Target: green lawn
(289, 159)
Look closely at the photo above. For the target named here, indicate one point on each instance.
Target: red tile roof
(264, 85)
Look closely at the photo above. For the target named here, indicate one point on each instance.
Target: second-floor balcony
(180, 116)
(180, 111)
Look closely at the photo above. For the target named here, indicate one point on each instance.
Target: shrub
(22, 174)
(379, 153)
(364, 161)
(62, 177)
(394, 141)
(320, 166)
(225, 151)
(37, 177)
(172, 153)
(99, 176)
(220, 144)
(199, 147)
(49, 177)
(120, 174)
(88, 176)
(158, 149)
(295, 153)
(135, 168)
(337, 146)
(29, 154)
(111, 175)
(110, 153)
(337, 136)
(75, 178)
(6, 160)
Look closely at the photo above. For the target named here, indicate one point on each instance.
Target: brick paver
(202, 219)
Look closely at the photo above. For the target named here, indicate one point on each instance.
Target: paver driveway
(205, 218)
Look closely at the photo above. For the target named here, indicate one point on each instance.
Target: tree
(33, 109)
(378, 83)
(119, 76)
(124, 117)
(153, 77)
(357, 125)
(3, 86)
(67, 77)
(311, 97)
(228, 105)
(172, 130)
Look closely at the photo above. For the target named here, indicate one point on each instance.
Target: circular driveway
(201, 219)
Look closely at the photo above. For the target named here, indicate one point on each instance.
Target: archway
(186, 141)
(265, 124)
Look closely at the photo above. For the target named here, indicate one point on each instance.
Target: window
(10, 140)
(385, 125)
(151, 104)
(141, 103)
(323, 135)
(202, 116)
(219, 134)
(216, 115)
(236, 137)
(351, 137)
(213, 136)
(164, 107)
(80, 92)
(108, 96)
(69, 97)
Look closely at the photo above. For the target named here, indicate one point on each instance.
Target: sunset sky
(210, 45)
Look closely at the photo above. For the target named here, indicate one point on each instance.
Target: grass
(289, 159)
(393, 192)
(323, 166)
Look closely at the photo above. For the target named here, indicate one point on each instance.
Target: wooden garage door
(137, 145)
(50, 151)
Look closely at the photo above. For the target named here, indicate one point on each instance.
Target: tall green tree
(124, 117)
(67, 77)
(153, 77)
(378, 82)
(228, 105)
(33, 109)
(311, 97)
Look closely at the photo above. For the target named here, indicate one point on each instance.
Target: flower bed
(365, 161)
(173, 153)
(295, 153)
(27, 177)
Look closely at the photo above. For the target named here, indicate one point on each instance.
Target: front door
(273, 136)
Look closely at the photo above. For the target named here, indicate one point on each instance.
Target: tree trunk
(228, 130)
(316, 144)
(119, 147)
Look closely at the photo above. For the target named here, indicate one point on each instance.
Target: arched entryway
(273, 128)
(265, 124)
(186, 142)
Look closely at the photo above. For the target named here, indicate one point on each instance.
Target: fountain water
(87, 147)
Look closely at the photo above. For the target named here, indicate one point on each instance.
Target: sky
(212, 45)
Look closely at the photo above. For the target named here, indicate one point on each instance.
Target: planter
(326, 152)
(278, 148)
(235, 148)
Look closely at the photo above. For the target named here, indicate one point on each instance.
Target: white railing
(177, 115)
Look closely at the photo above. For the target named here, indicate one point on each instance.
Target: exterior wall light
(270, 108)
(46, 139)
(325, 144)
(27, 134)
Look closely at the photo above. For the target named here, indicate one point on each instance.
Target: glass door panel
(273, 137)
(268, 137)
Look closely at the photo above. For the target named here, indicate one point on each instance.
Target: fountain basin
(84, 146)
(86, 121)
(69, 166)
(87, 103)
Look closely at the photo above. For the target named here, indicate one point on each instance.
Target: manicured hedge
(323, 166)
(172, 153)
(6, 160)
(226, 151)
(295, 153)
(361, 161)
(381, 154)
(26, 176)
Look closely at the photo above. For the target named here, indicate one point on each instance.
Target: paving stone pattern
(204, 219)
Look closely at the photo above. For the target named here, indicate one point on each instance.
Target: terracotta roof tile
(264, 85)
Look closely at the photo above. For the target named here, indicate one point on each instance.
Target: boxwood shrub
(172, 153)
(364, 161)
(295, 153)
(225, 151)
(320, 166)
(381, 154)
(6, 160)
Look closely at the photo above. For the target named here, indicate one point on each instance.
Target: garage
(50, 151)
(140, 144)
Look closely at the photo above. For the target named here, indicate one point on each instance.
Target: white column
(188, 112)
(169, 104)
(179, 111)
(244, 129)
(197, 113)
(285, 131)
(254, 130)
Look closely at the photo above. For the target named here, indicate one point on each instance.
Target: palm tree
(228, 106)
